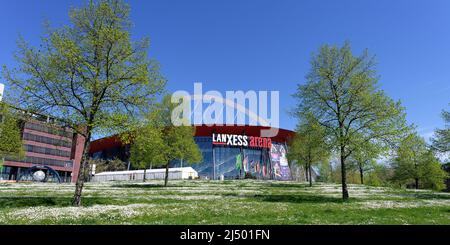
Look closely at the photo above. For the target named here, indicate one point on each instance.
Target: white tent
(151, 174)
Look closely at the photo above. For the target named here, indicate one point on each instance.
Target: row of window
(47, 140)
(47, 151)
(43, 161)
(50, 130)
(46, 161)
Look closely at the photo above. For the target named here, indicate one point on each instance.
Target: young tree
(148, 147)
(170, 142)
(90, 73)
(325, 169)
(181, 145)
(379, 175)
(308, 146)
(441, 142)
(364, 157)
(341, 92)
(10, 135)
(414, 162)
(432, 174)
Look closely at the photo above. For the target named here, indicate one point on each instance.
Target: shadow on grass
(430, 196)
(291, 198)
(286, 185)
(146, 186)
(17, 202)
(299, 198)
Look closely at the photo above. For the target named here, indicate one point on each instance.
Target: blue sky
(267, 45)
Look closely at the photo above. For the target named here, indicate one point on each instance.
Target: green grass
(220, 202)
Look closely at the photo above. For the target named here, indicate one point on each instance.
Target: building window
(47, 140)
(49, 130)
(47, 151)
(47, 161)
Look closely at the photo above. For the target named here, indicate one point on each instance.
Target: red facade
(283, 135)
(47, 145)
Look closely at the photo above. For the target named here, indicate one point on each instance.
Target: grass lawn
(215, 202)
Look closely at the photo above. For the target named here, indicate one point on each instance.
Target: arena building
(229, 152)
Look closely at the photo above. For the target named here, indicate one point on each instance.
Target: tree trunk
(310, 178)
(331, 173)
(343, 175)
(415, 167)
(143, 178)
(361, 175)
(166, 179)
(306, 172)
(76, 201)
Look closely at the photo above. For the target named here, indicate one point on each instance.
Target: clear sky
(267, 45)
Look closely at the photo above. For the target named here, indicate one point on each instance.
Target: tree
(341, 92)
(148, 147)
(308, 146)
(432, 173)
(441, 142)
(414, 162)
(379, 175)
(325, 169)
(364, 156)
(181, 145)
(90, 73)
(10, 134)
(170, 142)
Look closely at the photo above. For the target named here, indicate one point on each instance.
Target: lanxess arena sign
(241, 140)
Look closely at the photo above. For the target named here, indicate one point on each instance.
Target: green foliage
(182, 144)
(90, 73)
(364, 157)
(431, 173)
(108, 165)
(308, 146)
(379, 175)
(10, 135)
(148, 147)
(415, 163)
(442, 139)
(409, 157)
(325, 172)
(158, 141)
(341, 92)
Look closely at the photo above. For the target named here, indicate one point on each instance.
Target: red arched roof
(283, 135)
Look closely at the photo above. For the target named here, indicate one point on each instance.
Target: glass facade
(228, 162)
(12, 173)
(238, 162)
